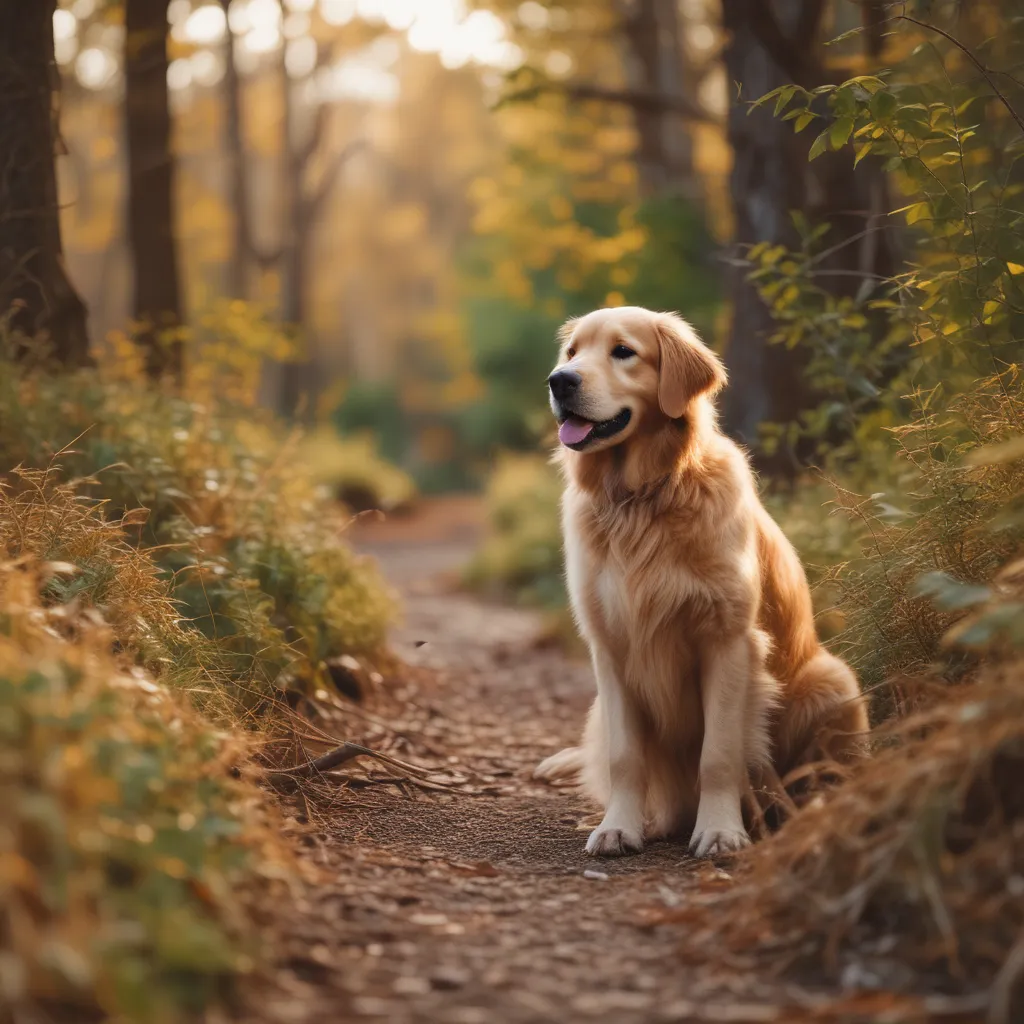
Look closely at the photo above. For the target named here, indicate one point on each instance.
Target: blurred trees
(593, 199)
(37, 299)
(152, 222)
(553, 158)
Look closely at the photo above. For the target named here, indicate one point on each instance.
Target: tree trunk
(296, 232)
(773, 42)
(157, 306)
(655, 67)
(238, 179)
(37, 299)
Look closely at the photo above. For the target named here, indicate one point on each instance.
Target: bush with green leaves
(920, 370)
(944, 122)
(233, 517)
(521, 555)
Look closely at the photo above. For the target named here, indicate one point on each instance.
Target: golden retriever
(693, 603)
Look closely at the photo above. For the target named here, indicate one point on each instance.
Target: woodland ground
(475, 903)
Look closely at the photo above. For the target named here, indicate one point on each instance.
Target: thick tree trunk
(157, 305)
(37, 300)
(773, 42)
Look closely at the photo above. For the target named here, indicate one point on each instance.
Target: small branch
(319, 195)
(635, 99)
(339, 756)
(986, 74)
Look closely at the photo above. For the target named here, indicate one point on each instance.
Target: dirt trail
(478, 905)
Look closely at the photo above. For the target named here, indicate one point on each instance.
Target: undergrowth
(521, 555)
(231, 515)
(168, 566)
(126, 847)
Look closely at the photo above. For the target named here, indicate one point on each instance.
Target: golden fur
(692, 601)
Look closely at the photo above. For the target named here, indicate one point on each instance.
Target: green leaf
(840, 132)
(883, 104)
(819, 145)
(785, 95)
(803, 121)
(949, 593)
(863, 152)
(761, 100)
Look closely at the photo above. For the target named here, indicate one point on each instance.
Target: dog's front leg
(622, 830)
(725, 685)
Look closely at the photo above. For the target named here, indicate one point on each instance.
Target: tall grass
(125, 844)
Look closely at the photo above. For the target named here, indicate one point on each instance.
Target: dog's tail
(826, 713)
(565, 766)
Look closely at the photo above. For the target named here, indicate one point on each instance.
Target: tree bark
(37, 299)
(157, 305)
(773, 42)
(238, 178)
(655, 67)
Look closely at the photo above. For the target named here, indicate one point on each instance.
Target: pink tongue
(574, 430)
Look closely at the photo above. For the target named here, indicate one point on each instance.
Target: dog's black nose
(564, 384)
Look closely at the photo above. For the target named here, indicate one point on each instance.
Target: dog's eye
(570, 352)
(622, 352)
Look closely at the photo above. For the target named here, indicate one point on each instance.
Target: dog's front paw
(716, 842)
(614, 842)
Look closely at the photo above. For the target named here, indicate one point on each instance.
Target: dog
(693, 603)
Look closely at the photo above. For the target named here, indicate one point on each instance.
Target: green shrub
(521, 556)
(235, 521)
(125, 846)
(353, 469)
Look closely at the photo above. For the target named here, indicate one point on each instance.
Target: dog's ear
(689, 368)
(566, 330)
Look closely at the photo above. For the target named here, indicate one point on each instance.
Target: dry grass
(910, 877)
(949, 519)
(125, 845)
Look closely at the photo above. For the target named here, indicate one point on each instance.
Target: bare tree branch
(635, 99)
(318, 196)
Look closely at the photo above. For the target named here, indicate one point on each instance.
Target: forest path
(478, 905)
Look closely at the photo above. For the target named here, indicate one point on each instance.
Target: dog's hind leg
(586, 764)
(564, 766)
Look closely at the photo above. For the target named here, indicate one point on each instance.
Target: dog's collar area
(602, 431)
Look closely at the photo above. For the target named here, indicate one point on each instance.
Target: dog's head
(621, 370)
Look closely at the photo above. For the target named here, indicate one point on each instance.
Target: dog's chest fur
(644, 604)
